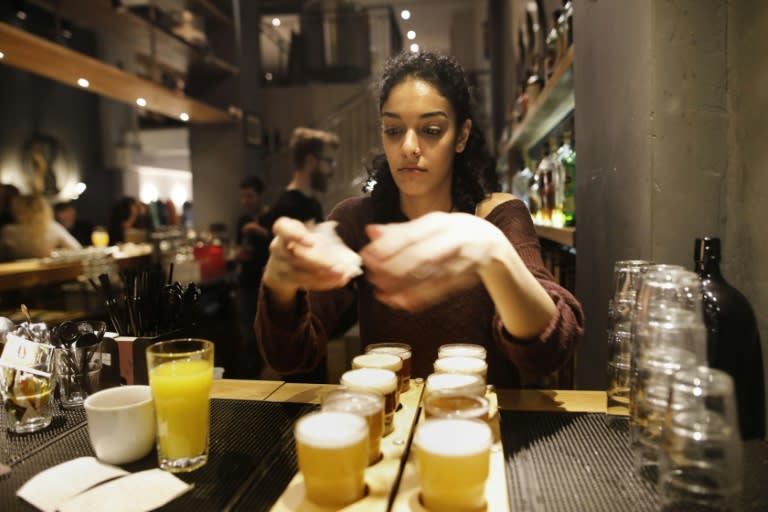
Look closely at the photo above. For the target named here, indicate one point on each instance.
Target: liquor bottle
(567, 157)
(733, 341)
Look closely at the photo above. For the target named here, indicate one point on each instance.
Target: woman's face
(420, 140)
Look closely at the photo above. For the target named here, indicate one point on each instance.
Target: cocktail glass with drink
(181, 376)
(99, 237)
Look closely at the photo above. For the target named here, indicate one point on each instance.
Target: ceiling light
(405, 14)
(82, 82)
(21, 14)
(184, 116)
(268, 76)
(275, 22)
(411, 35)
(2, 55)
(414, 48)
(141, 102)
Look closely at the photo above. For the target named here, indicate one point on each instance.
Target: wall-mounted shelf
(40, 56)
(560, 235)
(554, 103)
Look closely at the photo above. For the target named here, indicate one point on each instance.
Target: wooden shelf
(560, 235)
(40, 56)
(556, 101)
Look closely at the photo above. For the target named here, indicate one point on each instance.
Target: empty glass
(700, 462)
(626, 281)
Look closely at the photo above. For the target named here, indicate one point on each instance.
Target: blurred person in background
(124, 214)
(251, 252)
(35, 233)
(314, 158)
(66, 215)
(7, 193)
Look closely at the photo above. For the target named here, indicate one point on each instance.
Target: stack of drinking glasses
(668, 335)
(626, 281)
(682, 424)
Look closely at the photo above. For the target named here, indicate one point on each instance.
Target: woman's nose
(411, 143)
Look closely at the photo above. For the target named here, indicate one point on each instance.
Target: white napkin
(332, 249)
(50, 488)
(139, 492)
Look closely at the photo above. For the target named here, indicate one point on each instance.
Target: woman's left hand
(413, 265)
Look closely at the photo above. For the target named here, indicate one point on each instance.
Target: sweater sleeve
(296, 342)
(550, 350)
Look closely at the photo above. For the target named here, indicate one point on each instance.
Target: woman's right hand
(295, 262)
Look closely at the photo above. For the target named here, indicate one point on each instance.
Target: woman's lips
(412, 169)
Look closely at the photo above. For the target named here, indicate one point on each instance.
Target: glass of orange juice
(99, 237)
(181, 376)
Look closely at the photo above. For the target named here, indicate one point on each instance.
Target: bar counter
(28, 273)
(554, 452)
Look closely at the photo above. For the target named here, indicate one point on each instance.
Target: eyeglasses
(327, 159)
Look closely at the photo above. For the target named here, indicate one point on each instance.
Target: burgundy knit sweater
(296, 342)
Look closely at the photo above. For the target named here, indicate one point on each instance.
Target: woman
(446, 260)
(35, 233)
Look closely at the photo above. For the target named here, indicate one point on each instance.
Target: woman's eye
(392, 131)
(433, 130)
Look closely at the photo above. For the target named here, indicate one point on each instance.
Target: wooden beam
(40, 56)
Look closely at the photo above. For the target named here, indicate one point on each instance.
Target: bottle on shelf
(521, 182)
(553, 45)
(558, 184)
(546, 188)
(733, 340)
(567, 157)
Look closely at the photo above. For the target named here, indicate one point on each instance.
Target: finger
(291, 230)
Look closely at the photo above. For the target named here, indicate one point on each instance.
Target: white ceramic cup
(121, 423)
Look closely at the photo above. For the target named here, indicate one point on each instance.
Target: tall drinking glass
(181, 376)
(700, 462)
(626, 282)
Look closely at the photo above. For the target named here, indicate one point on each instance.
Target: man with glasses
(314, 157)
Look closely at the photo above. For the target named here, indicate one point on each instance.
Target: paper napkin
(138, 492)
(50, 488)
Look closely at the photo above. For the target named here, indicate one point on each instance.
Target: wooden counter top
(16, 275)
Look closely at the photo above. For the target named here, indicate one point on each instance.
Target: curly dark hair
(474, 169)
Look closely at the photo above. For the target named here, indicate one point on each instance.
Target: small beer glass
(452, 460)
(367, 404)
(399, 349)
(377, 380)
(332, 453)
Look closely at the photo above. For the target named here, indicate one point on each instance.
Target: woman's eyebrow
(439, 113)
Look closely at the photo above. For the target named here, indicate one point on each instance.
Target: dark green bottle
(733, 340)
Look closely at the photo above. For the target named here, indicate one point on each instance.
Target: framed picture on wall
(252, 129)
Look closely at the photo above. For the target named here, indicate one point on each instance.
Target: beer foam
(378, 360)
(462, 350)
(461, 365)
(359, 402)
(379, 348)
(327, 429)
(383, 381)
(452, 381)
(453, 437)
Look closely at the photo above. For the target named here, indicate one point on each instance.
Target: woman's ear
(461, 140)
